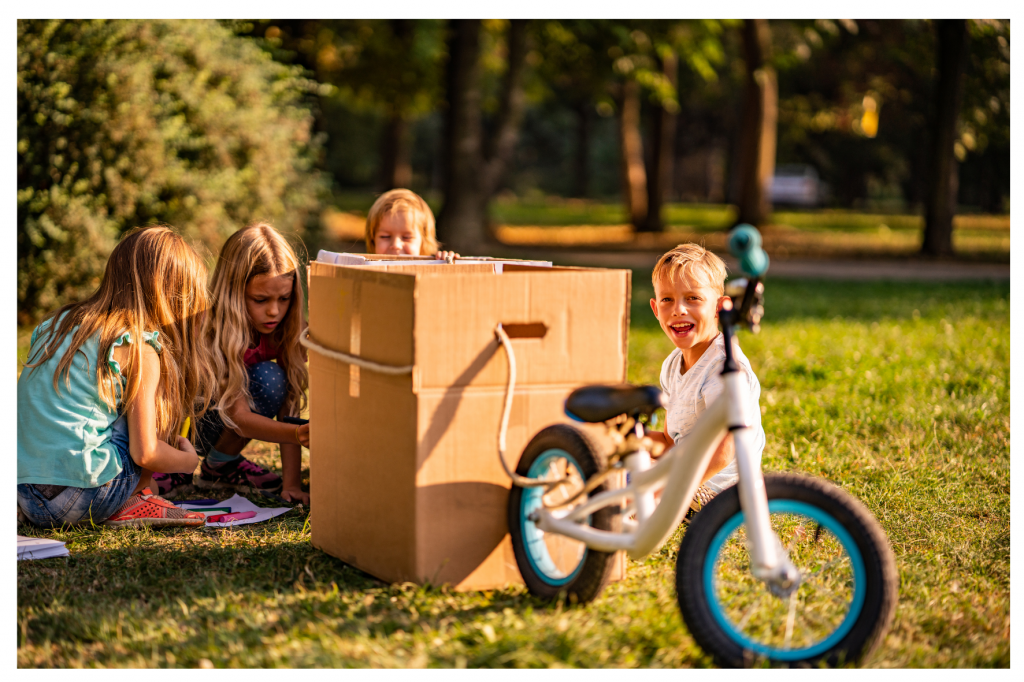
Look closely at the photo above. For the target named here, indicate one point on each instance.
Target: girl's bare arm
(291, 470)
(257, 427)
(146, 449)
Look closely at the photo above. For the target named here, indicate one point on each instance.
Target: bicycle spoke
(789, 621)
(813, 576)
(750, 612)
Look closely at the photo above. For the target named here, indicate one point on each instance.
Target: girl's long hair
(254, 250)
(153, 281)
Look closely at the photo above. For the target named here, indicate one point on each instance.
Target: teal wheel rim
(849, 579)
(536, 548)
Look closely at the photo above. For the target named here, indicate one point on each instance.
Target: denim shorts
(49, 505)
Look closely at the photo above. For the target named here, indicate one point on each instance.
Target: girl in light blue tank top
(108, 382)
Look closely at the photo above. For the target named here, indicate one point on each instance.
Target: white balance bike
(779, 569)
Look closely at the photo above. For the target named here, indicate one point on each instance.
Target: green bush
(125, 123)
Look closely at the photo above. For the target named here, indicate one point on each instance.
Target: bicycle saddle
(600, 403)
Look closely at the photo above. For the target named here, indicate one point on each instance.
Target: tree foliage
(125, 123)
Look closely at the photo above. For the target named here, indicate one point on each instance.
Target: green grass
(898, 393)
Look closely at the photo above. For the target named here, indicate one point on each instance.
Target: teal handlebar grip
(745, 244)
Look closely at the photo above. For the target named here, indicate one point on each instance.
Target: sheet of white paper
(40, 548)
(332, 257)
(238, 504)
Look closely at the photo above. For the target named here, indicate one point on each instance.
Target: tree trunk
(940, 202)
(472, 175)
(396, 166)
(581, 163)
(663, 143)
(500, 147)
(756, 156)
(460, 221)
(634, 177)
(396, 145)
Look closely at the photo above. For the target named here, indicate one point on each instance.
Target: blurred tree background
(209, 125)
(125, 123)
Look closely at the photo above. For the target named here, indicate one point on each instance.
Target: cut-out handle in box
(525, 330)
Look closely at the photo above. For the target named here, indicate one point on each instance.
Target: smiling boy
(689, 289)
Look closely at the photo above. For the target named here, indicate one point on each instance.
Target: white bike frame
(678, 473)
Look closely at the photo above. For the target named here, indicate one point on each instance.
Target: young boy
(401, 223)
(689, 289)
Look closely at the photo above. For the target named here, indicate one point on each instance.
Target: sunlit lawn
(837, 233)
(898, 393)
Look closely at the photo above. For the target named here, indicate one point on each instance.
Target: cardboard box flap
(338, 298)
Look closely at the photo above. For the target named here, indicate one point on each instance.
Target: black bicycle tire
(597, 566)
(882, 579)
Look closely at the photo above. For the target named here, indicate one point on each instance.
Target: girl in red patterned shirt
(253, 334)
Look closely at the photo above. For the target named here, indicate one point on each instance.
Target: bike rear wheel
(847, 593)
(551, 564)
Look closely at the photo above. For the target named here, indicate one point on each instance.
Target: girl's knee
(268, 386)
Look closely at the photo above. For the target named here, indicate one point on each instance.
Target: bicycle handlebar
(745, 244)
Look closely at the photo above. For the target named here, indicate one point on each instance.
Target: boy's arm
(724, 454)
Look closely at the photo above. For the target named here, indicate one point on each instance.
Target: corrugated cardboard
(404, 473)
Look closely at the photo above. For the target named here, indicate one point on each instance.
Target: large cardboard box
(404, 472)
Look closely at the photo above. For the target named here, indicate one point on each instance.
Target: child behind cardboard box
(401, 223)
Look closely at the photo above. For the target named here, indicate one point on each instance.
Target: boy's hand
(186, 446)
(302, 433)
(295, 495)
(447, 255)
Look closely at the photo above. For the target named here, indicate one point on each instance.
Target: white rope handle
(521, 481)
(351, 359)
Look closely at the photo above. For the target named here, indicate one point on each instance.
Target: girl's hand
(295, 495)
(302, 434)
(185, 445)
(447, 255)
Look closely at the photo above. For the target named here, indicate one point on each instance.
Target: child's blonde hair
(410, 203)
(254, 250)
(153, 281)
(694, 262)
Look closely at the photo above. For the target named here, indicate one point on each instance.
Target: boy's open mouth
(682, 327)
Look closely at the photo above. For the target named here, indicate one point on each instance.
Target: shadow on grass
(188, 589)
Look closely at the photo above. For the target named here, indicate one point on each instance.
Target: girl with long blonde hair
(253, 338)
(107, 385)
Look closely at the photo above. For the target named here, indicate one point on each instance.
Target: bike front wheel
(844, 600)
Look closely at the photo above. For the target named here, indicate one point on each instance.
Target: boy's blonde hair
(410, 203)
(153, 281)
(254, 250)
(694, 262)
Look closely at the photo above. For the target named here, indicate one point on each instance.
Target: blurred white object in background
(797, 184)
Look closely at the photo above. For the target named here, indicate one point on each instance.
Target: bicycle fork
(769, 560)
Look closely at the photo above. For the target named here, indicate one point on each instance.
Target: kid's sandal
(147, 509)
(240, 475)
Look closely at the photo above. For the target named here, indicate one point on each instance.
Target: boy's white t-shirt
(688, 395)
